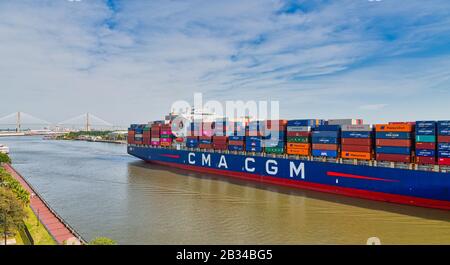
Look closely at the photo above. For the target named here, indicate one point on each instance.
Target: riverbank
(59, 230)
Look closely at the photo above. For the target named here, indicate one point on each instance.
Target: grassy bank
(39, 234)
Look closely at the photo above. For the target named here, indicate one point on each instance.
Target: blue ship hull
(405, 186)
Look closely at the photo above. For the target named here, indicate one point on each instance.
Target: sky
(128, 60)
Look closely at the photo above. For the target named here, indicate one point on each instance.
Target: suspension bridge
(21, 123)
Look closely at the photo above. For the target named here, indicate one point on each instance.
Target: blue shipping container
(426, 124)
(425, 153)
(311, 123)
(444, 154)
(444, 131)
(205, 141)
(192, 145)
(350, 134)
(393, 150)
(273, 143)
(334, 134)
(236, 138)
(326, 153)
(425, 131)
(393, 135)
(328, 128)
(444, 146)
(443, 124)
(236, 148)
(325, 140)
(253, 149)
(253, 138)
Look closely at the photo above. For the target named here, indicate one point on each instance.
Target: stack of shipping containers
(394, 142)
(426, 142)
(253, 137)
(236, 136)
(326, 140)
(356, 142)
(146, 135)
(166, 135)
(131, 134)
(274, 136)
(299, 137)
(193, 132)
(138, 136)
(444, 143)
(236, 143)
(155, 134)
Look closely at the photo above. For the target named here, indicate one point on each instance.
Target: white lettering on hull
(271, 170)
(222, 162)
(247, 168)
(297, 170)
(190, 156)
(206, 160)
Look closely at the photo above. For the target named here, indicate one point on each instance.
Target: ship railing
(372, 163)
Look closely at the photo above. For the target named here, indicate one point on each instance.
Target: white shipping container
(356, 128)
(345, 122)
(299, 128)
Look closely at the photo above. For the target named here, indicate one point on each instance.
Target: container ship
(398, 162)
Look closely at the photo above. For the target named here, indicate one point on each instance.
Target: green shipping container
(274, 150)
(426, 138)
(165, 136)
(298, 139)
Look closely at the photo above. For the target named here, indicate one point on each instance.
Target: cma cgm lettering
(270, 167)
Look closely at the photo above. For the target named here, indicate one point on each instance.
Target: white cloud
(61, 58)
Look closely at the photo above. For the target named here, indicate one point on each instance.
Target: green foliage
(11, 211)
(75, 135)
(8, 182)
(4, 158)
(102, 241)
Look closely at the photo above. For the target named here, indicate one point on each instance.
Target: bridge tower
(18, 122)
(88, 125)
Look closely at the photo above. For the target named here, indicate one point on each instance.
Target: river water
(102, 191)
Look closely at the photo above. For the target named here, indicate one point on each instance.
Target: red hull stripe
(171, 156)
(371, 195)
(337, 174)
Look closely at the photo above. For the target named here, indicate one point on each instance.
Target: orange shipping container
(165, 144)
(394, 127)
(298, 145)
(298, 151)
(357, 155)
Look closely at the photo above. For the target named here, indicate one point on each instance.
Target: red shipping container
(298, 134)
(394, 158)
(236, 143)
(428, 146)
(444, 161)
(205, 146)
(443, 139)
(357, 148)
(426, 160)
(220, 146)
(331, 147)
(356, 141)
(394, 142)
(220, 139)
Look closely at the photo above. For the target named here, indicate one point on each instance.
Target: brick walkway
(54, 225)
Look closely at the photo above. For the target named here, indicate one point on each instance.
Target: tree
(4, 158)
(11, 212)
(7, 181)
(102, 241)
